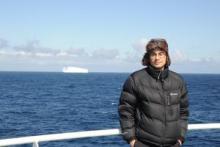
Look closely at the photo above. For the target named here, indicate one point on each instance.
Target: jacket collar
(158, 75)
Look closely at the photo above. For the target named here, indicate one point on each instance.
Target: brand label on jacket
(173, 94)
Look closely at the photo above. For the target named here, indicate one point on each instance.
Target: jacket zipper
(158, 77)
(165, 123)
(165, 103)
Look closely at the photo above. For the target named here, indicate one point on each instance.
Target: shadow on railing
(84, 134)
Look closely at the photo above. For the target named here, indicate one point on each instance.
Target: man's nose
(157, 56)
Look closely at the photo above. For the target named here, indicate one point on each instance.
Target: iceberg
(72, 69)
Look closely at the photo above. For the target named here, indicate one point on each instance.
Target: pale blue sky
(107, 35)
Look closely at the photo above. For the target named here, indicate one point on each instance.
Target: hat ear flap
(168, 62)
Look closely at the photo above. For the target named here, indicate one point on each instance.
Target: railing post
(35, 144)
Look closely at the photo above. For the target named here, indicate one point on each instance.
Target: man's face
(158, 59)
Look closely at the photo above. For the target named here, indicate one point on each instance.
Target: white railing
(84, 134)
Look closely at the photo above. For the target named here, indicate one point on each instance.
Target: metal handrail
(84, 134)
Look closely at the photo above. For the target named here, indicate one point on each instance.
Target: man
(153, 106)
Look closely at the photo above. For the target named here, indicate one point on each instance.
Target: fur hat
(157, 44)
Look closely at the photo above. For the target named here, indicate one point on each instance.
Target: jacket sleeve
(184, 112)
(127, 105)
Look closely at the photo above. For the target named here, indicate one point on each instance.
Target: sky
(108, 35)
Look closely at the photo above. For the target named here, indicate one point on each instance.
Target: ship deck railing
(35, 140)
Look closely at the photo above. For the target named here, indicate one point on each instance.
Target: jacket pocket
(173, 98)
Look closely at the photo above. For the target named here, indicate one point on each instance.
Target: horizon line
(126, 72)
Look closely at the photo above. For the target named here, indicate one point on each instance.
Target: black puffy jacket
(153, 107)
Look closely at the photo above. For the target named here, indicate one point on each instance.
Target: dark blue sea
(34, 103)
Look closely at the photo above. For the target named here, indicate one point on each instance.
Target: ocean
(36, 103)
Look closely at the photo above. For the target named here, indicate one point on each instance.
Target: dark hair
(153, 44)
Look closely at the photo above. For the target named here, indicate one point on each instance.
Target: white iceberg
(72, 69)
